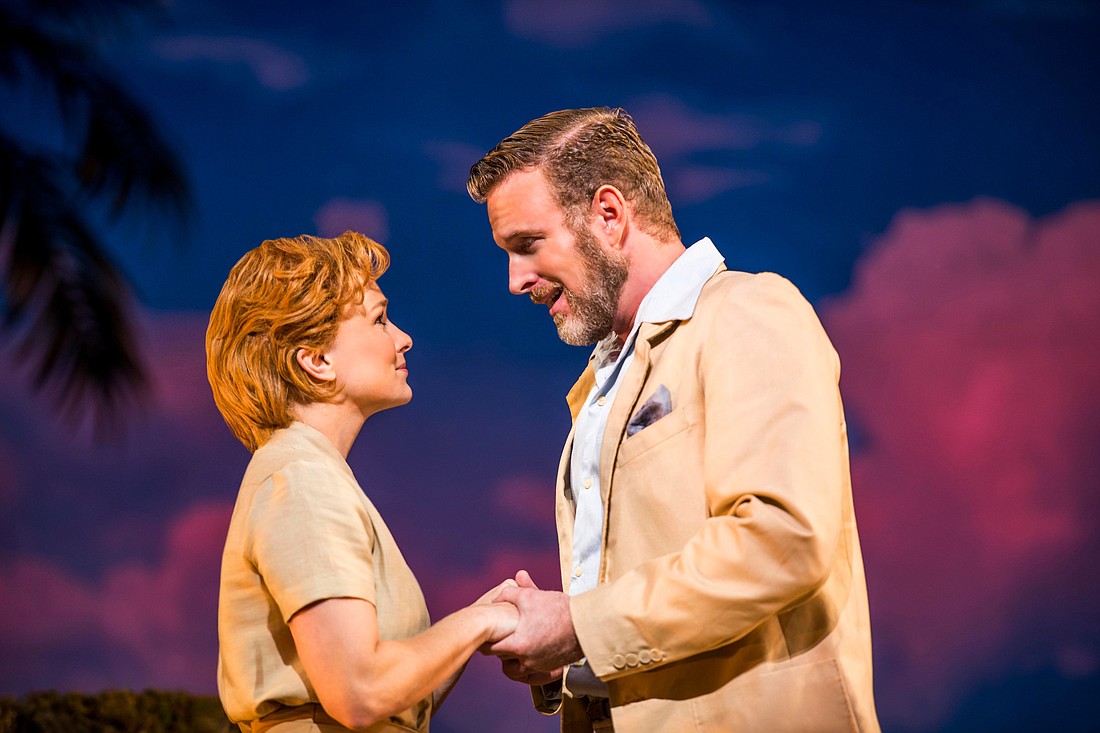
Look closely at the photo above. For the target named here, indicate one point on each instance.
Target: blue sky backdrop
(928, 173)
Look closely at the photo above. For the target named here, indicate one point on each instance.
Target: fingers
(510, 594)
(523, 579)
(504, 648)
(492, 594)
(505, 621)
(515, 670)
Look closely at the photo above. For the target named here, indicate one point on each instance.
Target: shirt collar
(674, 295)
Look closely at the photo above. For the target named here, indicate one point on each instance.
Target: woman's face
(368, 355)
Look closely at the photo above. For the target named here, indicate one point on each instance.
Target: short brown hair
(578, 151)
(284, 295)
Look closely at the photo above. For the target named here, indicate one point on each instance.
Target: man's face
(568, 271)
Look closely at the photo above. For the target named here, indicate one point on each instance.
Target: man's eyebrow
(522, 234)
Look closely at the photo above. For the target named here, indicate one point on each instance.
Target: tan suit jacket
(732, 594)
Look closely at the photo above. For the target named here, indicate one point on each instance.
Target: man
(711, 566)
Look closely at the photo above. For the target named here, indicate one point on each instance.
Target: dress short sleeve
(312, 537)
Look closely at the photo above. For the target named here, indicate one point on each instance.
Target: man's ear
(315, 363)
(611, 211)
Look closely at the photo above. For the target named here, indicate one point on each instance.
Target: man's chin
(576, 334)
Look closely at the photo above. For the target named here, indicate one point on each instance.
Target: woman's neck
(335, 421)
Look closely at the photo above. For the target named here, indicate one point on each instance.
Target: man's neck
(648, 263)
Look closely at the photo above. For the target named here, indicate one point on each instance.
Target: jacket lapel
(565, 507)
(625, 403)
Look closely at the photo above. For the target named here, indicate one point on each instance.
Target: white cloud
(273, 67)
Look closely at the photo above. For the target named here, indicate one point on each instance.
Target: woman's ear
(315, 363)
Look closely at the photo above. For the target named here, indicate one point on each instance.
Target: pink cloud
(174, 347)
(515, 500)
(273, 67)
(483, 693)
(454, 160)
(673, 129)
(970, 371)
(576, 23)
(694, 183)
(526, 498)
(156, 624)
(361, 215)
(679, 134)
(43, 604)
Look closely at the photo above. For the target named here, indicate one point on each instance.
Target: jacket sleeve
(774, 476)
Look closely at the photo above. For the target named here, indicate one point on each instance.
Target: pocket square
(657, 406)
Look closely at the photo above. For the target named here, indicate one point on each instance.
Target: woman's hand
(492, 594)
(502, 619)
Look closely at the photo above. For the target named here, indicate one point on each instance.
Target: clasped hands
(542, 641)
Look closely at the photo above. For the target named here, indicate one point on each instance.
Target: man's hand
(544, 641)
(491, 595)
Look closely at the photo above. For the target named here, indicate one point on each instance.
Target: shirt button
(578, 571)
(588, 483)
(601, 400)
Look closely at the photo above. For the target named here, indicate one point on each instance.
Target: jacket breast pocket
(653, 435)
(656, 499)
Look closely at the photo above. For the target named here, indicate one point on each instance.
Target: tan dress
(303, 531)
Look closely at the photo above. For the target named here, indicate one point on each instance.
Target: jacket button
(657, 654)
(618, 661)
(645, 657)
(632, 660)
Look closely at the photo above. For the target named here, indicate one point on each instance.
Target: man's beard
(592, 306)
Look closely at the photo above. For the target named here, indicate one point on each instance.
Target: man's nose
(521, 278)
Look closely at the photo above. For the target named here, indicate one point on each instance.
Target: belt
(309, 711)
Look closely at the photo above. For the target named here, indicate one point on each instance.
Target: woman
(321, 624)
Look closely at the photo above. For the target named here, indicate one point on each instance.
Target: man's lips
(550, 295)
(557, 300)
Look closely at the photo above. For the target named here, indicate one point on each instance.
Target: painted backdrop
(926, 173)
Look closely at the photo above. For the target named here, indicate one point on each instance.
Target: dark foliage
(116, 711)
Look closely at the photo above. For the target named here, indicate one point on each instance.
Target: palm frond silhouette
(65, 305)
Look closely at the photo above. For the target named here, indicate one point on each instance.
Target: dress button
(632, 660)
(645, 657)
(618, 662)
